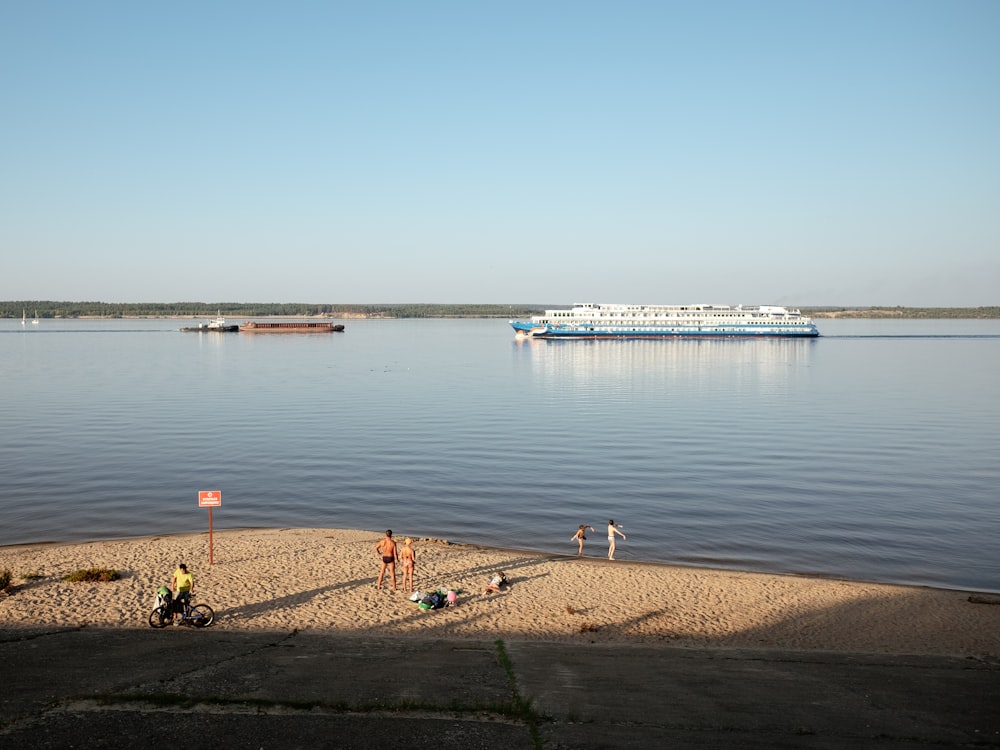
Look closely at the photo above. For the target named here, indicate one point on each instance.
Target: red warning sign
(209, 498)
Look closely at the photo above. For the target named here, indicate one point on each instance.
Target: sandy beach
(324, 580)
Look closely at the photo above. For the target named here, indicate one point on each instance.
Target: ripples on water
(869, 453)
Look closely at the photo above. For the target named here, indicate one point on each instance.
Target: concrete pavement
(94, 687)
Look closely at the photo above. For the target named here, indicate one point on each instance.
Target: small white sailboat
(34, 320)
(24, 318)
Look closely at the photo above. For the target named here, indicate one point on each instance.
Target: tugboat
(218, 325)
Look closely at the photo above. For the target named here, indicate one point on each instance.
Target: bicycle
(197, 615)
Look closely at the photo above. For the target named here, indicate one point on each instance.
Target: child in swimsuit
(579, 537)
(496, 582)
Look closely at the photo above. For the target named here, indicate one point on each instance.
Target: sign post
(209, 499)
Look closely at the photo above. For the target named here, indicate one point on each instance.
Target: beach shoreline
(322, 580)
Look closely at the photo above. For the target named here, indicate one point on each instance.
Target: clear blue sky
(811, 153)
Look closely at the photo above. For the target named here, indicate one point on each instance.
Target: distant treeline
(49, 309)
(902, 312)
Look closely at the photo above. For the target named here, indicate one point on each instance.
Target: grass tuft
(5, 579)
(95, 575)
(522, 707)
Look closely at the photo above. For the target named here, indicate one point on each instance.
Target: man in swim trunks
(387, 549)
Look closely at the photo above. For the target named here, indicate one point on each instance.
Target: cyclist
(183, 586)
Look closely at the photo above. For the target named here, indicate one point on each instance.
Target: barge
(587, 320)
(294, 327)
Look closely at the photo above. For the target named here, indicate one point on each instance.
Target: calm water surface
(872, 452)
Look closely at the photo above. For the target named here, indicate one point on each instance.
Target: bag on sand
(434, 600)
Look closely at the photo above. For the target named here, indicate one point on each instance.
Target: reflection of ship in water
(626, 361)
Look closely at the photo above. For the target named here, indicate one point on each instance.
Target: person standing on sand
(612, 530)
(579, 537)
(409, 559)
(387, 548)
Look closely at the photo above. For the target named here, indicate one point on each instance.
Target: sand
(323, 580)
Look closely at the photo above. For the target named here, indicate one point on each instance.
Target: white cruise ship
(587, 320)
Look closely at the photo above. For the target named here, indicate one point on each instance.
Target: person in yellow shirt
(182, 585)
